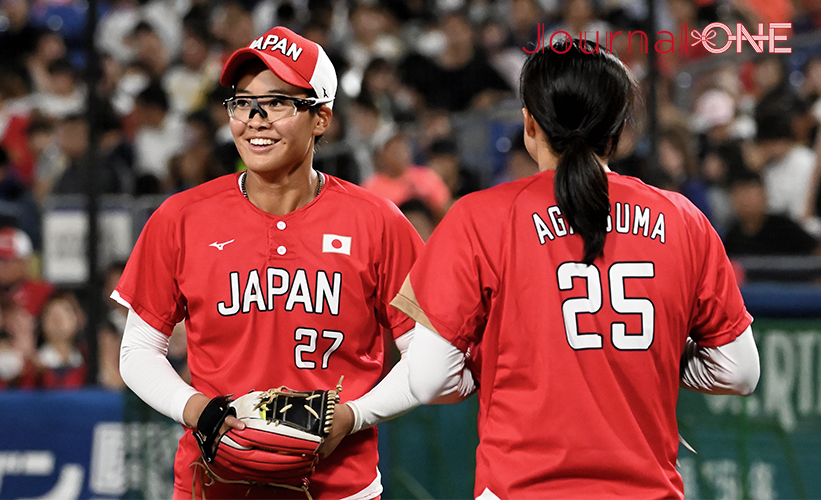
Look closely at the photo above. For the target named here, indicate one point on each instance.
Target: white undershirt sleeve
(389, 398)
(392, 396)
(146, 371)
(437, 372)
(729, 369)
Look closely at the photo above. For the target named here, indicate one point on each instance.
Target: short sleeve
(149, 282)
(400, 246)
(719, 314)
(453, 280)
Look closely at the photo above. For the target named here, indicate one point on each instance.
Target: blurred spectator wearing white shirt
(160, 135)
(788, 167)
(189, 81)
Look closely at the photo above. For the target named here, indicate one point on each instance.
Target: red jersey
(296, 300)
(579, 365)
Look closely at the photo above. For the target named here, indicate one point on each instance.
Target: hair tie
(575, 134)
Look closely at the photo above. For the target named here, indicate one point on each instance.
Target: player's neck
(283, 194)
(548, 160)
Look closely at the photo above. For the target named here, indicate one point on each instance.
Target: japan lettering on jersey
(582, 362)
(296, 300)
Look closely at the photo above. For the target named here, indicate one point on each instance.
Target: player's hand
(342, 426)
(194, 407)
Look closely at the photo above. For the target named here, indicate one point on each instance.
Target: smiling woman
(283, 276)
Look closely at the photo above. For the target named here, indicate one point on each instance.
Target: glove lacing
(205, 470)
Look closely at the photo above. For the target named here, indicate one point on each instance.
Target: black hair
(444, 147)
(746, 176)
(581, 98)
(154, 95)
(62, 66)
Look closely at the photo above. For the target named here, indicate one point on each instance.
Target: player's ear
(322, 120)
(529, 124)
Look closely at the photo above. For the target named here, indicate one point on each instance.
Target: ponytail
(581, 99)
(581, 190)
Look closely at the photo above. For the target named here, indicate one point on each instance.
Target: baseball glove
(284, 429)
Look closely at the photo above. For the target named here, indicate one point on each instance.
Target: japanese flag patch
(333, 243)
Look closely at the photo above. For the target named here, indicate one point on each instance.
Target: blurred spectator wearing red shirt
(60, 362)
(17, 286)
(399, 180)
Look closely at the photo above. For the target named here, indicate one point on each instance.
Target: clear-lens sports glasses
(270, 107)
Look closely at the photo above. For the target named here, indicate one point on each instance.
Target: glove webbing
(213, 476)
(277, 401)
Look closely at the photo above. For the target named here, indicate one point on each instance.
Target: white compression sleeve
(729, 369)
(146, 371)
(437, 372)
(389, 398)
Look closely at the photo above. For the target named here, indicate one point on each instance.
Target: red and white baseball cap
(14, 243)
(293, 58)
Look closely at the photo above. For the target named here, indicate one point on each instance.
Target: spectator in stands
(114, 27)
(518, 162)
(65, 95)
(191, 168)
(628, 159)
(49, 48)
(17, 202)
(224, 149)
(579, 18)
(758, 232)
(109, 332)
(18, 348)
(115, 167)
(370, 37)
(679, 168)
(131, 79)
(19, 38)
(503, 51)
(420, 216)
(713, 117)
(523, 25)
(719, 168)
(381, 85)
(49, 160)
(15, 114)
(159, 136)
(60, 361)
(399, 180)
(335, 153)
(365, 132)
(72, 133)
(769, 77)
(459, 77)
(18, 284)
(189, 81)
(233, 25)
(787, 167)
(443, 158)
(149, 50)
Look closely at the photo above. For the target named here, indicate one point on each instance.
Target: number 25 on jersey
(592, 303)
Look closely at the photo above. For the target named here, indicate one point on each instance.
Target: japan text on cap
(293, 58)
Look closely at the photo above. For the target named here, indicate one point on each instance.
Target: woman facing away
(582, 299)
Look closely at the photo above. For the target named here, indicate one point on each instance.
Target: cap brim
(279, 68)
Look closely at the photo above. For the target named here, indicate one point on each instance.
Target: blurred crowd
(738, 135)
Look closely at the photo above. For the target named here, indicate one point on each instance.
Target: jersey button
(281, 225)
(281, 250)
